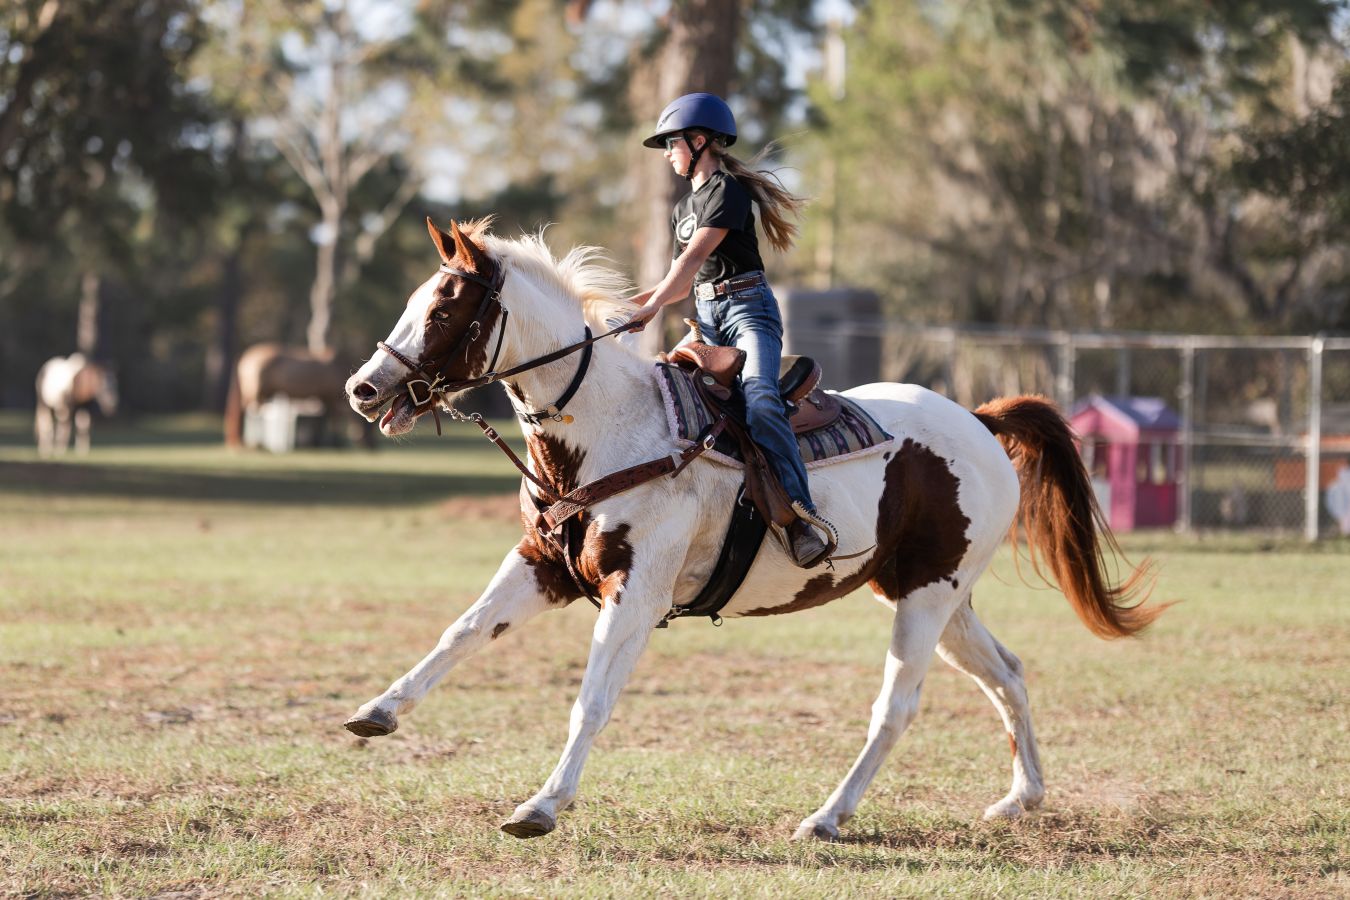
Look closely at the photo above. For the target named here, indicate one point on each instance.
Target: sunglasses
(673, 140)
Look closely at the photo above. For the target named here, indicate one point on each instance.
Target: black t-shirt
(721, 202)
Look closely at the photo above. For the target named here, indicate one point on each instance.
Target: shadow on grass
(331, 487)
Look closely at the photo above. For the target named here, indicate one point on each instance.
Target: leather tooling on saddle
(830, 428)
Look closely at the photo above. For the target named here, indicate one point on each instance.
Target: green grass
(183, 630)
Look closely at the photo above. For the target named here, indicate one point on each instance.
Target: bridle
(423, 390)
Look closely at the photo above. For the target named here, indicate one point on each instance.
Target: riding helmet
(707, 111)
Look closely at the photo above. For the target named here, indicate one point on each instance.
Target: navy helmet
(706, 111)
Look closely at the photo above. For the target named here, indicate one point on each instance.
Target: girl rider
(717, 253)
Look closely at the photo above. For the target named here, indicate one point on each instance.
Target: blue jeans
(749, 320)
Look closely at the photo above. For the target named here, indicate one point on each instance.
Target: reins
(556, 513)
(431, 386)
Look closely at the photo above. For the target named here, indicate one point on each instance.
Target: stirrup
(823, 525)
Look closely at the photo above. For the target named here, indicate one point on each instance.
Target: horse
(932, 509)
(268, 370)
(67, 386)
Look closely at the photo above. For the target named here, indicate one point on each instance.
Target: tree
(100, 150)
(1057, 162)
(735, 50)
(332, 94)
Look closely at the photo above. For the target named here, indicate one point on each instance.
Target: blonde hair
(776, 204)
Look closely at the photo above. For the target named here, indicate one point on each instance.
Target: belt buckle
(705, 291)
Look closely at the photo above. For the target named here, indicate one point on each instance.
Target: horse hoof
(1006, 809)
(815, 831)
(529, 824)
(375, 723)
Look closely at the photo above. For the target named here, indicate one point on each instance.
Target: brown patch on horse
(819, 591)
(550, 572)
(928, 540)
(451, 313)
(499, 628)
(605, 557)
(87, 383)
(555, 461)
(1012, 745)
(921, 535)
(605, 560)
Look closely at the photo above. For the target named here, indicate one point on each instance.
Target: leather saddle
(715, 372)
(717, 369)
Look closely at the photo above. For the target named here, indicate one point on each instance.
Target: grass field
(183, 631)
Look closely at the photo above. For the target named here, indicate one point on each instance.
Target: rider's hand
(642, 316)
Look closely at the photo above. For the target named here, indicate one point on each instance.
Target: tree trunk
(87, 325)
(697, 53)
(220, 358)
(324, 289)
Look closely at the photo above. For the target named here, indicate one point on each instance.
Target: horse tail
(1063, 523)
(234, 412)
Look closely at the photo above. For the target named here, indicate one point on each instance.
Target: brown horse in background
(265, 371)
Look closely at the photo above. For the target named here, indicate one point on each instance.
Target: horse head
(106, 395)
(443, 340)
(93, 383)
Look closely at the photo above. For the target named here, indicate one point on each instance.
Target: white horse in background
(67, 386)
(932, 506)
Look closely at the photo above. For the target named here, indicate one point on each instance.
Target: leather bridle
(423, 390)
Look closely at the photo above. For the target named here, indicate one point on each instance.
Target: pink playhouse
(1130, 446)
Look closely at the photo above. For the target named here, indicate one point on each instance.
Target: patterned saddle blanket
(853, 433)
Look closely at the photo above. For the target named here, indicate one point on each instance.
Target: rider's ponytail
(776, 204)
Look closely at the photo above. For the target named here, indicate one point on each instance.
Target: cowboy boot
(808, 550)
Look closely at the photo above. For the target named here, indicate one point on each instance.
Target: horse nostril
(364, 391)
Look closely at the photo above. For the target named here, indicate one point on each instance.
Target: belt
(708, 290)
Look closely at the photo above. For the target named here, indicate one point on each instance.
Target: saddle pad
(854, 433)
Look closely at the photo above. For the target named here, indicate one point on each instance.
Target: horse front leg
(62, 431)
(82, 420)
(513, 597)
(619, 638)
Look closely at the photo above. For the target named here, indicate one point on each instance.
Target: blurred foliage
(1067, 163)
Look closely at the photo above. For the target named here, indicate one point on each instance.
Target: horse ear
(465, 248)
(443, 241)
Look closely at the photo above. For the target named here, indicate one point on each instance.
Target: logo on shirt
(684, 229)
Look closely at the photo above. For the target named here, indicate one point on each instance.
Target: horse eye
(440, 315)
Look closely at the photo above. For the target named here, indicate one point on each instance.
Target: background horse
(67, 386)
(933, 505)
(265, 371)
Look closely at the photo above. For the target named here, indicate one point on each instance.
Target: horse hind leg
(919, 620)
(44, 429)
(967, 646)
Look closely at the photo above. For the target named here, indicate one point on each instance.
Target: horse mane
(581, 274)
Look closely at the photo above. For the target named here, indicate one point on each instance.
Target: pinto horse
(934, 507)
(67, 386)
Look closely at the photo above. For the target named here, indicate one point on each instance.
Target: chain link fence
(1230, 432)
